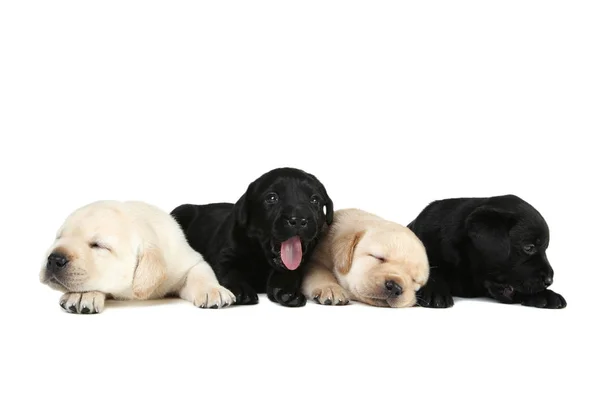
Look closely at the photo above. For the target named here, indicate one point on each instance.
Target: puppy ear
(241, 209)
(149, 273)
(329, 211)
(328, 203)
(342, 251)
(488, 229)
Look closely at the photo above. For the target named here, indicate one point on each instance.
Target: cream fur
(143, 255)
(343, 265)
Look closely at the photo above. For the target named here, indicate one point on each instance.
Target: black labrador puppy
(260, 243)
(486, 247)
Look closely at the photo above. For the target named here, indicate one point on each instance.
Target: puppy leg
(243, 291)
(545, 299)
(436, 293)
(321, 285)
(284, 288)
(203, 290)
(83, 303)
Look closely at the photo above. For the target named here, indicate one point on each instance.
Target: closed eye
(98, 245)
(381, 259)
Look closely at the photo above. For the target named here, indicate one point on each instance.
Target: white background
(391, 104)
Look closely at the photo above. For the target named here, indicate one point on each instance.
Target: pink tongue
(291, 252)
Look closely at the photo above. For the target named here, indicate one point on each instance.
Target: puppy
(366, 258)
(126, 250)
(260, 243)
(486, 247)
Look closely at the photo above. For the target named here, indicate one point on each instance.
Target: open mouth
(291, 253)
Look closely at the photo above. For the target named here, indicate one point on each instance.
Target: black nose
(56, 261)
(297, 222)
(393, 288)
(548, 281)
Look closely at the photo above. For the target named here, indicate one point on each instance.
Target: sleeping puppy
(486, 247)
(260, 243)
(127, 250)
(366, 258)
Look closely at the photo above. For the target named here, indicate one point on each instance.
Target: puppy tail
(184, 215)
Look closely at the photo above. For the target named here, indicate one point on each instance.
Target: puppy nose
(297, 222)
(548, 281)
(393, 288)
(56, 261)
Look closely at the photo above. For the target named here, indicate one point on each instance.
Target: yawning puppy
(260, 243)
(366, 258)
(127, 250)
(486, 247)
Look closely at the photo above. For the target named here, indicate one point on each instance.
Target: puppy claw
(213, 297)
(546, 299)
(288, 298)
(434, 298)
(83, 303)
(331, 295)
(243, 294)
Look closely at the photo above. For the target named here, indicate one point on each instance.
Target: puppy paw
(285, 297)
(213, 297)
(432, 298)
(545, 299)
(243, 293)
(331, 295)
(83, 303)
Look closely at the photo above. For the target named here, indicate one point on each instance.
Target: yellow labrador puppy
(366, 258)
(127, 250)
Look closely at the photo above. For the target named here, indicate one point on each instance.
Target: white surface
(391, 105)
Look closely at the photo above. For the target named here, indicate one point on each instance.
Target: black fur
(242, 240)
(480, 247)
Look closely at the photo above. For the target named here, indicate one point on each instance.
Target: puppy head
(381, 267)
(511, 239)
(100, 248)
(285, 211)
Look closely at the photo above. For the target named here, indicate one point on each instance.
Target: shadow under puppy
(127, 250)
(260, 243)
(366, 258)
(486, 247)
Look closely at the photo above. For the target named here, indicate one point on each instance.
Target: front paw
(432, 297)
(331, 295)
(545, 299)
(286, 297)
(244, 294)
(83, 303)
(213, 297)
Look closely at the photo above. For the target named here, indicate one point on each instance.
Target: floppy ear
(488, 228)
(149, 273)
(342, 251)
(328, 204)
(241, 208)
(329, 211)
(240, 211)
